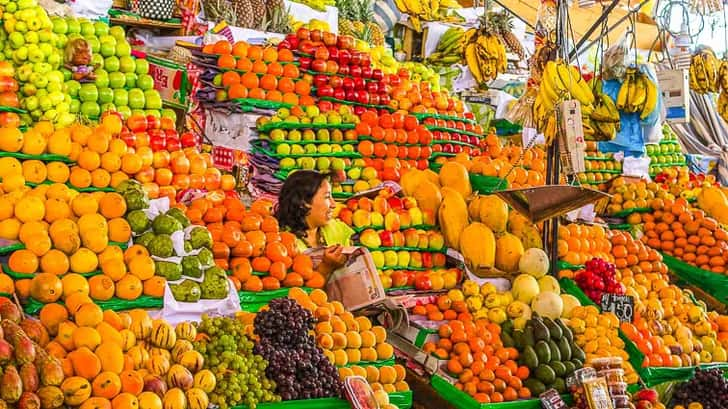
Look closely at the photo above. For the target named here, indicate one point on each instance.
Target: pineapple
(356, 18)
(259, 13)
(244, 11)
(503, 24)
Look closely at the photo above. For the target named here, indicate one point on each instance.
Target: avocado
(528, 337)
(518, 339)
(554, 329)
(529, 358)
(507, 340)
(564, 349)
(559, 385)
(570, 367)
(543, 352)
(507, 327)
(566, 331)
(558, 367)
(535, 386)
(540, 332)
(577, 353)
(555, 352)
(545, 374)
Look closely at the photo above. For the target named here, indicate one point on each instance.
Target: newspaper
(357, 286)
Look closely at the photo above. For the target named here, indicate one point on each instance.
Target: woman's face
(322, 207)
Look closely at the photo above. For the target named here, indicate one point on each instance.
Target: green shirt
(335, 232)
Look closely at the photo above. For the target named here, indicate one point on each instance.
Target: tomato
(9, 120)
(188, 139)
(8, 84)
(9, 99)
(153, 122)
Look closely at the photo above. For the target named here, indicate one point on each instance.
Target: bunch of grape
(228, 353)
(299, 368)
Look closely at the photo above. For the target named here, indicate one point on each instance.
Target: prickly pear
(51, 397)
(29, 377)
(29, 400)
(11, 387)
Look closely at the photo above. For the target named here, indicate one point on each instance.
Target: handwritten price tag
(621, 305)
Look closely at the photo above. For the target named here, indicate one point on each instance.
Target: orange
(286, 85)
(230, 78)
(256, 93)
(290, 71)
(226, 61)
(268, 82)
(259, 67)
(236, 91)
(303, 88)
(255, 52)
(244, 64)
(275, 69)
(240, 49)
(270, 54)
(274, 95)
(222, 47)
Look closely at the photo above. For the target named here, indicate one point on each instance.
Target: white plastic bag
(175, 312)
(636, 167)
(91, 9)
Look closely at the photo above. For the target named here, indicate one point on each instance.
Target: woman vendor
(305, 207)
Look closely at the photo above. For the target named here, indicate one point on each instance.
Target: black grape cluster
(299, 369)
(708, 387)
(228, 353)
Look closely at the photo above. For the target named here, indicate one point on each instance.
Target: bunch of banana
(451, 46)
(704, 71)
(429, 10)
(485, 55)
(723, 105)
(603, 120)
(723, 74)
(638, 94)
(563, 81)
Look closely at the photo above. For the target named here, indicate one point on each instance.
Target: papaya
(453, 216)
(494, 213)
(428, 197)
(477, 245)
(411, 180)
(711, 198)
(455, 176)
(474, 208)
(508, 252)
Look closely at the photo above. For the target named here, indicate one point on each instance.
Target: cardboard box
(170, 79)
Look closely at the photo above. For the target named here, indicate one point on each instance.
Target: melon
(525, 288)
(549, 284)
(534, 262)
(547, 304)
(569, 302)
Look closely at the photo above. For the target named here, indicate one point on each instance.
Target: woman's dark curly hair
(294, 201)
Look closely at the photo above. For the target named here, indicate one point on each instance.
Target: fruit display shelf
(714, 284)
(649, 376)
(252, 301)
(33, 307)
(47, 157)
(424, 115)
(402, 400)
(462, 400)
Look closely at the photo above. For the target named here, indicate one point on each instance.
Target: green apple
(152, 100)
(348, 148)
(131, 79)
(124, 110)
(45, 103)
(102, 80)
(169, 113)
(60, 26)
(42, 68)
(334, 118)
(47, 50)
(90, 109)
(50, 115)
(56, 97)
(72, 87)
(65, 119)
(319, 120)
(123, 49)
(87, 29)
(36, 55)
(323, 135)
(142, 66)
(354, 173)
(106, 95)
(108, 107)
(308, 163)
(121, 97)
(101, 28)
(88, 93)
(145, 82)
(47, 37)
(107, 49)
(61, 41)
(39, 80)
(118, 32)
(127, 64)
(324, 148)
(98, 60)
(136, 98)
(75, 106)
(312, 111)
(111, 64)
(117, 80)
(283, 113)
(94, 44)
(21, 54)
(21, 26)
(310, 149)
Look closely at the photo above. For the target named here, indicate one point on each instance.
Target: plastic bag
(614, 63)
(91, 9)
(637, 167)
(175, 312)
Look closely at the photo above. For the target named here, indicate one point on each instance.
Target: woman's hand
(333, 257)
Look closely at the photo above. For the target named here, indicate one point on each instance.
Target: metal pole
(531, 26)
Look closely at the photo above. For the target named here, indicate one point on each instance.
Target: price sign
(621, 305)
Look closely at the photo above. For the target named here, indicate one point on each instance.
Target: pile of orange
(580, 243)
(100, 160)
(476, 357)
(418, 97)
(252, 71)
(248, 243)
(668, 327)
(678, 230)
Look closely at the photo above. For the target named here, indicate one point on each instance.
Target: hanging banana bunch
(428, 10)
(603, 121)
(704, 71)
(723, 74)
(638, 94)
(451, 47)
(485, 56)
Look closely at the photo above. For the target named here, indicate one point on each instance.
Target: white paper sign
(175, 312)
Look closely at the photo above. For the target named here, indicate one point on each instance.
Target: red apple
(321, 79)
(318, 65)
(359, 84)
(366, 72)
(344, 57)
(325, 106)
(304, 63)
(354, 70)
(303, 34)
(316, 35)
(387, 238)
(366, 60)
(399, 278)
(339, 93)
(374, 99)
(329, 39)
(325, 91)
(422, 282)
(345, 42)
(377, 74)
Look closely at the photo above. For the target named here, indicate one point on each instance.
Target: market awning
(583, 18)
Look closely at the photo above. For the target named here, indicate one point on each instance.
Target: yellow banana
(650, 99)
(471, 58)
(622, 95)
